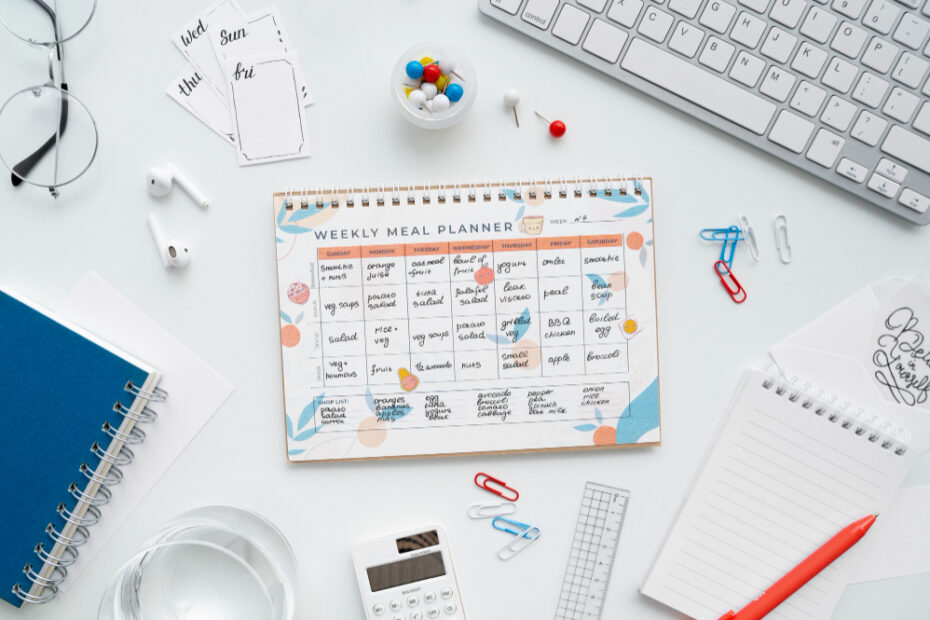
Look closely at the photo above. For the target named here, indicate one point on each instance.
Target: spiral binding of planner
(456, 193)
(95, 493)
(870, 427)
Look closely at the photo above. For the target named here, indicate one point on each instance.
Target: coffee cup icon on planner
(531, 224)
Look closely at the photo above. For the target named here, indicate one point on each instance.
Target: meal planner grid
(469, 311)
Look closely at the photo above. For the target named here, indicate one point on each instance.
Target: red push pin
(556, 128)
(431, 72)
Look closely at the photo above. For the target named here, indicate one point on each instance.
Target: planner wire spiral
(95, 493)
(870, 427)
(455, 193)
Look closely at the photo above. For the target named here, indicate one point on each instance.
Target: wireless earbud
(160, 178)
(173, 252)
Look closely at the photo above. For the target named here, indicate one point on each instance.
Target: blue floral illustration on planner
(299, 220)
(303, 429)
(630, 428)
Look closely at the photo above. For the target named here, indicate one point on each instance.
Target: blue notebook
(70, 406)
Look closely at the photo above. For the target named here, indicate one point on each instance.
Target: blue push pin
(454, 92)
(414, 70)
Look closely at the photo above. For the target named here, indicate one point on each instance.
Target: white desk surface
(224, 307)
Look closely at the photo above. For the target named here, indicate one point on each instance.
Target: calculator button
(396, 605)
(398, 617)
(432, 612)
(450, 608)
(412, 601)
(378, 609)
(429, 597)
(446, 593)
(416, 616)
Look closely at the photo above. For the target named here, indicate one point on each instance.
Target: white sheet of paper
(257, 34)
(266, 107)
(197, 97)
(195, 391)
(194, 42)
(899, 543)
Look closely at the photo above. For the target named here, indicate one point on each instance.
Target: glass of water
(212, 562)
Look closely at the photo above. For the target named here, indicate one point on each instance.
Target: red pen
(803, 572)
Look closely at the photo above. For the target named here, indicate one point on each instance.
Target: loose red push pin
(431, 72)
(556, 128)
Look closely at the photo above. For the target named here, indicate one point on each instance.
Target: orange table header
(469, 247)
(425, 249)
(339, 253)
(558, 243)
(601, 241)
(383, 251)
(514, 245)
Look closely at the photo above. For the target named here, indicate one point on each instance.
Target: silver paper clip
(781, 238)
(751, 245)
(519, 543)
(494, 509)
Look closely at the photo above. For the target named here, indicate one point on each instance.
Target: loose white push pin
(512, 98)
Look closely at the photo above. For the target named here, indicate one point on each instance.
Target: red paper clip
(738, 294)
(499, 486)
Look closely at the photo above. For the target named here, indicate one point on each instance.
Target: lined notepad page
(780, 482)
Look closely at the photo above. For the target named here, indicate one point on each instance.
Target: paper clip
(521, 528)
(519, 543)
(751, 246)
(781, 233)
(738, 294)
(499, 487)
(486, 511)
(721, 234)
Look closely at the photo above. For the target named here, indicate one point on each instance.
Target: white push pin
(449, 67)
(512, 98)
(429, 89)
(440, 103)
(417, 98)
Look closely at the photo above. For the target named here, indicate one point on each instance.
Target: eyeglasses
(48, 137)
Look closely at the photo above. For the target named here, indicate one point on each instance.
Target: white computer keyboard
(838, 88)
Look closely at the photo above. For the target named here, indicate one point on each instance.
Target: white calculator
(408, 576)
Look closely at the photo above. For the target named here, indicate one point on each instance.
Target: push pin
(512, 98)
(450, 68)
(556, 128)
(431, 73)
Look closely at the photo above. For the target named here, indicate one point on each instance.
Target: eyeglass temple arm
(24, 167)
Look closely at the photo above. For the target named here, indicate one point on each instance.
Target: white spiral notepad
(786, 474)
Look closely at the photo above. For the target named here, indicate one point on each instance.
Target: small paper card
(900, 348)
(266, 107)
(195, 44)
(193, 93)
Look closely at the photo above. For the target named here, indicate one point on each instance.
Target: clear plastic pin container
(426, 115)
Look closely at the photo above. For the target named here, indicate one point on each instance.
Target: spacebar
(698, 86)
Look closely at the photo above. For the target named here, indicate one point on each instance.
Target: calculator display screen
(406, 571)
(418, 541)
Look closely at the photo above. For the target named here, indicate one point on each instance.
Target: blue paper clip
(721, 234)
(523, 530)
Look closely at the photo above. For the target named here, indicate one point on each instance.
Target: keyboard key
(625, 12)
(825, 148)
(885, 187)
(777, 84)
(778, 45)
(809, 60)
(893, 171)
(869, 128)
(604, 41)
(704, 89)
(922, 122)
(911, 31)
(788, 12)
(911, 4)
(879, 55)
(849, 8)
(838, 113)
(791, 131)
(911, 199)
(851, 170)
(808, 99)
(758, 6)
(881, 16)
(540, 12)
(900, 105)
(511, 6)
(748, 30)
(747, 69)
(818, 25)
(570, 24)
(717, 15)
(849, 40)
(595, 5)
(688, 8)
(717, 54)
(686, 39)
(655, 24)
(870, 90)
(910, 70)
(839, 75)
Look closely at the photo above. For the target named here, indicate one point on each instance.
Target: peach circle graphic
(534, 202)
(634, 241)
(532, 352)
(618, 280)
(605, 436)
(290, 335)
(371, 432)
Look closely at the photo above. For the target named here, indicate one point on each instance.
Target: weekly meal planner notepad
(467, 318)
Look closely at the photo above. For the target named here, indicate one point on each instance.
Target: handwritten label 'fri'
(242, 73)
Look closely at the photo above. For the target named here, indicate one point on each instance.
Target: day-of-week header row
(469, 247)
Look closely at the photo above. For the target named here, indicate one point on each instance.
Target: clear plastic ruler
(594, 547)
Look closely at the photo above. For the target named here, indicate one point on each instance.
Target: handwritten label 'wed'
(902, 357)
